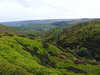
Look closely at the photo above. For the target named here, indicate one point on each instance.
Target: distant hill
(43, 25)
(19, 23)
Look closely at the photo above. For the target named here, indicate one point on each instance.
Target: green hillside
(68, 51)
(43, 25)
(37, 27)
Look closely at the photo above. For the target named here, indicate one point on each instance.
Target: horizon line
(47, 19)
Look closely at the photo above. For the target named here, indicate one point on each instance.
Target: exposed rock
(78, 61)
(61, 56)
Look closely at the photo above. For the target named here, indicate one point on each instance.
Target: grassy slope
(16, 61)
(23, 56)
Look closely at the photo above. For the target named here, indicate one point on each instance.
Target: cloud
(11, 10)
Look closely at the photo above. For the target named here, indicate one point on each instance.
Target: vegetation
(69, 51)
(43, 25)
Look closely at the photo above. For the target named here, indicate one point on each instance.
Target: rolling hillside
(68, 51)
(43, 25)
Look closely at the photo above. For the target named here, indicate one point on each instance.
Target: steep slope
(22, 56)
(82, 39)
(57, 54)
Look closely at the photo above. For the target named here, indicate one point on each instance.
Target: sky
(15, 10)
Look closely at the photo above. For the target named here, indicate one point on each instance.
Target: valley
(50, 47)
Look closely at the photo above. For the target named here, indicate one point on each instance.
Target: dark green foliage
(76, 70)
(68, 51)
(45, 45)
